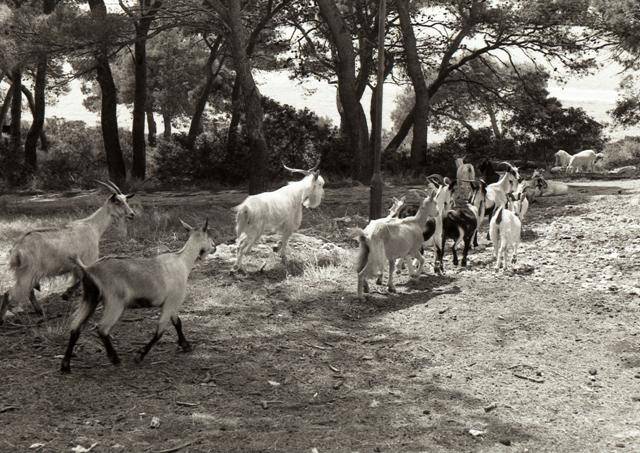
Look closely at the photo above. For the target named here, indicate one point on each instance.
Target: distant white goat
(44, 253)
(160, 281)
(391, 240)
(279, 211)
(504, 230)
(562, 158)
(583, 161)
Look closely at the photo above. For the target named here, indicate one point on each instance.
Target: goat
(395, 208)
(160, 281)
(562, 158)
(487, 173)
(279, 211)
(464, 173)
(44, 253)
(583, 161)
(391, 240)
(432, 231)
(461, 223)
(496, 193)
(504, 230)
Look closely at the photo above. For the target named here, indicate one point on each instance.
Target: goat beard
(313, 200)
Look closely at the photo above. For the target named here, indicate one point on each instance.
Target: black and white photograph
(319, 226)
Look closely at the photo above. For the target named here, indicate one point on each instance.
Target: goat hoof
(379, 281)
(65, 368)
(139, 357)
(186, 347)
(115, 361)
(392, 289)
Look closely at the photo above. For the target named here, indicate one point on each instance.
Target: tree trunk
(254, 114)
(109, 105)
(414, 68)
(16, 114)
(196, 120)
(152, 128)
(356, 122)
(37, 126)
(232, 134)
(5, 106)
(166, 121)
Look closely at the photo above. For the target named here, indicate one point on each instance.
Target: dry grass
(288, 360)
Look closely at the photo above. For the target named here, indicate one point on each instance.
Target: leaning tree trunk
(254, 114)
(414, 68)
(196, 120)
(356, 121)
(109, 105)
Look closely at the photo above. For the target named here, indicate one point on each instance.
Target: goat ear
(316, 174)
(112, 197)
(186, 225)
(206, 225)
(131, 195)
(403, 198)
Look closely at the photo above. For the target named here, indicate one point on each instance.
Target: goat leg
(35, 304)
(390, 286)
(147, 347)
(182, 341)
(108, 346)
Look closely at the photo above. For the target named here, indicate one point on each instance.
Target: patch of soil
(544, 358)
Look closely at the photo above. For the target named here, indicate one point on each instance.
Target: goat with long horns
(279, 211)
(46, 252)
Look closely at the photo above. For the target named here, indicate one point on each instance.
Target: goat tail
(363, 251)
(17, 259)
(499, 216)
(242, 218)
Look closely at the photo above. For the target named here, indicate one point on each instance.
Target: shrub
(295, 137)
(622, 152)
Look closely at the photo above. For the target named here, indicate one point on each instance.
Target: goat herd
(449, 209)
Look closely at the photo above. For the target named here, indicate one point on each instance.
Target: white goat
(562, 158)
(433, 228)
(496, 193)
(279, 211)
(160, 281)
(464, 174)
(391, 240)
(397, 205)
(583, 161)
(504, 230)
(44, 253)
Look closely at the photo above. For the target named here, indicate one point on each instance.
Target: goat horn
(297, 170)
(316, 167)
(114, 186)
(508, 164)
(111, 189)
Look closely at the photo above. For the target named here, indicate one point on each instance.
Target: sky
(596, 94)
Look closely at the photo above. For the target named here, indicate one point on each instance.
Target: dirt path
(545, 359)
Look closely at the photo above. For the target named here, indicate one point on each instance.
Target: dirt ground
(544, 359)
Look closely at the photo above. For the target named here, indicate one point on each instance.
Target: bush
(622, 152)
(295, 137)
(75, 157)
